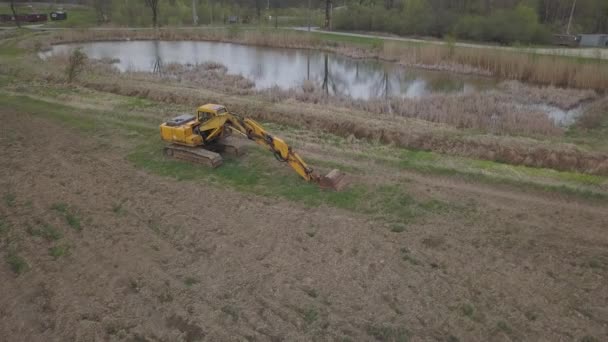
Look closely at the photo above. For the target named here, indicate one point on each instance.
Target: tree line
(503, 21)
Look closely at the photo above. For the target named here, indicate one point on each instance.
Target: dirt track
(161, 260)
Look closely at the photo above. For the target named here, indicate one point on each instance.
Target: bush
(416, 17)
(76, 64)
(518, 25)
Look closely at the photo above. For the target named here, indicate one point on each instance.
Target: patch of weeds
(231, 311)
(189, 281)
(118, 209)
(311, 315)
(452, 338)
(4, 226)
(46, 231)
(394, 201)
(388, 333)
(60, 207)
(468, 310)
(589, 338)
(17, 263)
(405, 255)
(59, 251)
(70, 216)
(311, 233)
(504, 327)
(398, 227)
(435, 206)
(10, 199)
(73, 221)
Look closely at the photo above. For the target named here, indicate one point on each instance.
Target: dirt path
(162, 260)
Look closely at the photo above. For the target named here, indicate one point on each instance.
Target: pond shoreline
(503, 65)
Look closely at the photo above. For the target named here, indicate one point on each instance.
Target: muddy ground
(149, 258)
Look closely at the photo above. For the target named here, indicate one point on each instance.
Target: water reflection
(157, 63)
(286, 68)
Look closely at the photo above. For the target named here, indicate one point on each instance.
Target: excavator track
(196, 155)
(229, 145)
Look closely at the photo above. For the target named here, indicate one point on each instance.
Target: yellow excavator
(203, 137)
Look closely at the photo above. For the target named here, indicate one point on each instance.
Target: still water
(286, 68)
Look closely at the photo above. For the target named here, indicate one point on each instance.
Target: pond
(289, 68)
(286, 68)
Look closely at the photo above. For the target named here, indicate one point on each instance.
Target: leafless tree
(153, 4)
(102, 9)
(328, 10)
(15, 14)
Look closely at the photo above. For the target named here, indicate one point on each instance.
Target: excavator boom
(283, 152)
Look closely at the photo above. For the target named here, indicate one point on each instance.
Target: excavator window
(204, 116)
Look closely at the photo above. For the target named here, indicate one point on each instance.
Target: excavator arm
(283, 152)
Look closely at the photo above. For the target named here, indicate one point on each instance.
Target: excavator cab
(209, 111)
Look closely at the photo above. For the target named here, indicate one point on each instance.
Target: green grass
(70, 215)
(45, 231)
(388, 333)
(4, 226)
(360, 41)
(189, 281)
(60, 207)
(504, 327)
(468, 310)
(77, 16)
(118, 209)
(10, 199)
(311, 315)
(59, 251)
(490, 172)
(17, 263)
(73, 221)
(407, 256)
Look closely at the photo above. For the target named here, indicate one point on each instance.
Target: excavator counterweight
(203, 137)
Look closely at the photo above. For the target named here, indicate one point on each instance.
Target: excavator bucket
(334, 180)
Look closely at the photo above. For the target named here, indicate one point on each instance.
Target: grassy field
(78, 16)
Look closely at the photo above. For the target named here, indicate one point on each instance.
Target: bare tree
(153, 4)
(15, 14)
(102, 9)
(328, 10)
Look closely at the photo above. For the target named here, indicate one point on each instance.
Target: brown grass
(595, 115)
(514, 65)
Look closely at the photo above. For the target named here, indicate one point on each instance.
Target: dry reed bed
(492, 112)
(514, 65)
(524, 66)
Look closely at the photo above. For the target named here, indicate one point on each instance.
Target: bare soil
(163, 260)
